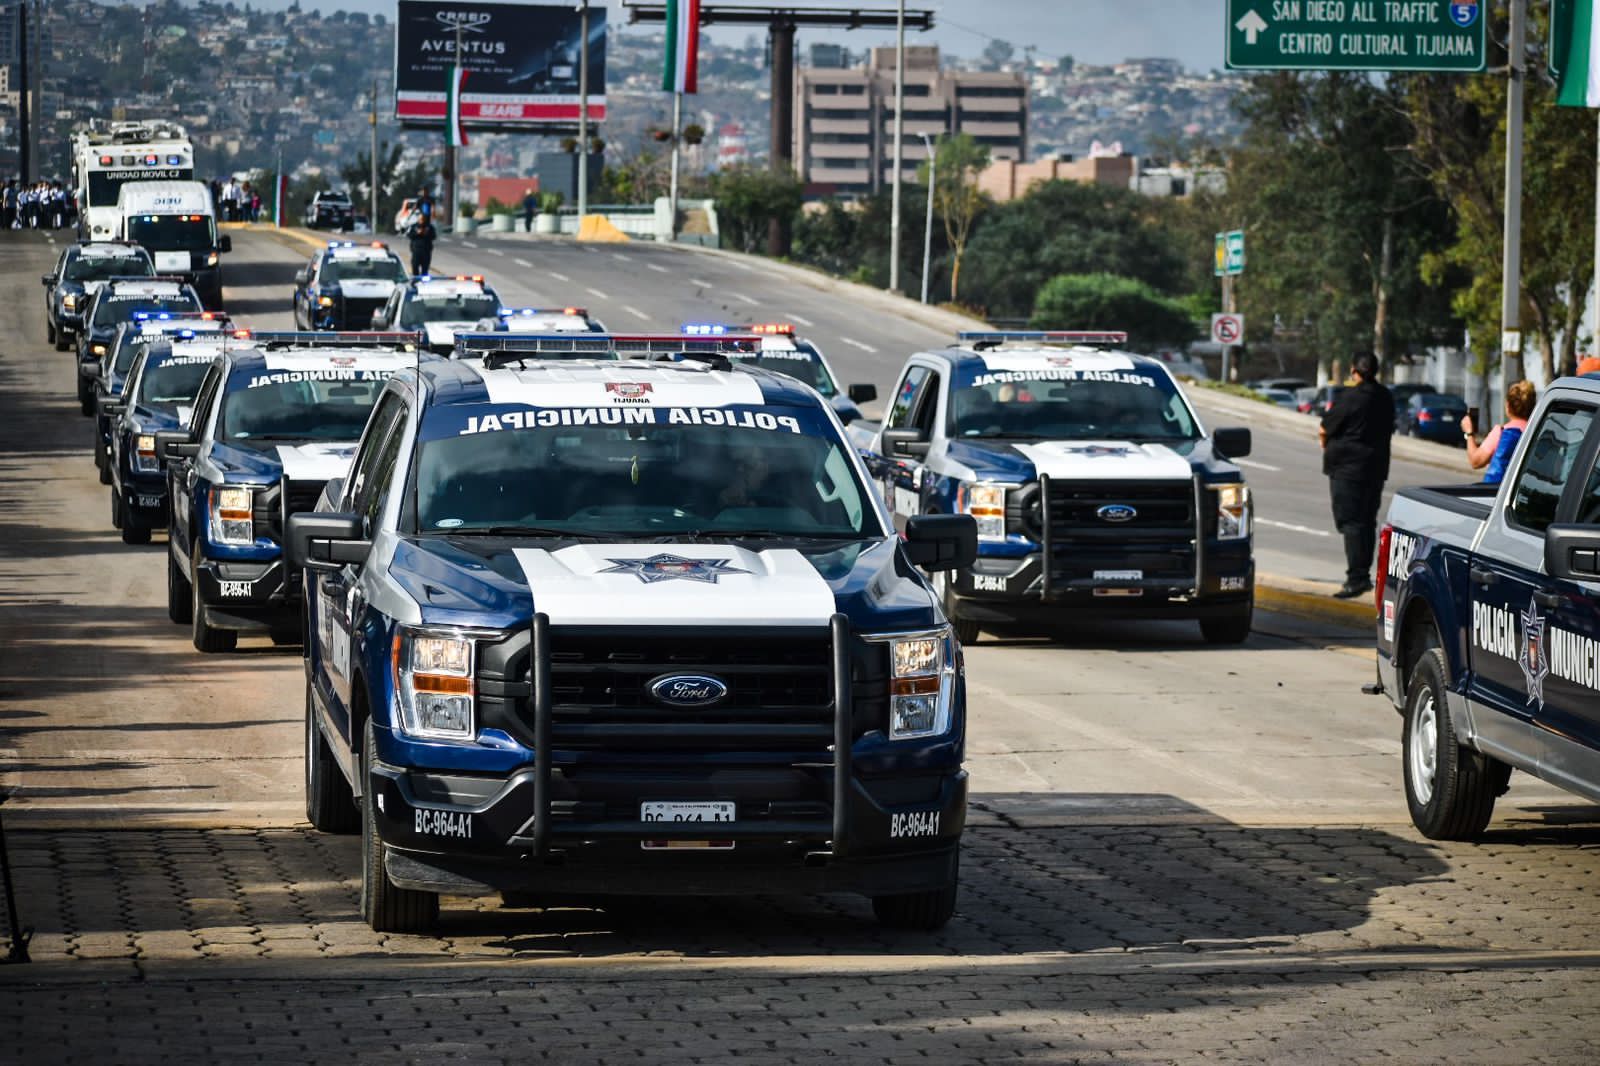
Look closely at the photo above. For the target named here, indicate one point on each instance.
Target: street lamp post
(927, 228)
(583, 112)
(896, 152)
(372, 197)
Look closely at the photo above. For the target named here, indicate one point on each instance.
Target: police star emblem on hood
(666, 567)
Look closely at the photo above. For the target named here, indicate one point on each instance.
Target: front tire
(1231, 628)
(1450, 789)
(386, 907)
(965, 629)
(180, 609)
(925, 911)
(134, 531)
(85, 397)
(207, 637)
(330, 805)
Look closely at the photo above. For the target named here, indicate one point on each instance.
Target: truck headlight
(324, 301)
(922, 671)
(1233, 510)
(97, 350)
(986, 503)
(231, 509)
(212, 259)
(145, 459)
(433, 676)
(69, 302)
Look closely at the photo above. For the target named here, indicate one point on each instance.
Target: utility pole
(448, 178)
(372, 199)
(677, 139)
(927, 228)
(896, 151)
(583, 113)
(25, 101)
(1511, 266)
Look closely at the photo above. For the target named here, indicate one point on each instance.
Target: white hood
(171, 262)
(675, 585)
(315, 461)
(366, 289)
(1107, 460)
(443, 334)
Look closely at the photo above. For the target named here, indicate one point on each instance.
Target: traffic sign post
(1229, 254)
(1427, 35)
(1227, 329)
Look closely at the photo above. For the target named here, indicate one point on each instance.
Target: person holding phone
(1495, 450)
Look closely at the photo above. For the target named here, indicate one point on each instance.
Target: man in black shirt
(1355, 456)
(422, 234)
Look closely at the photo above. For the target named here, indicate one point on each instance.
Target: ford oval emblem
(688, 690)
(1117, 512)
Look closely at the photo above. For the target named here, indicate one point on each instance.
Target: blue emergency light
(704, 329)
(174, 160)
(531, 312)
(1041, 336)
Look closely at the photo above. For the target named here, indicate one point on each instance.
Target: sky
(1092, 31)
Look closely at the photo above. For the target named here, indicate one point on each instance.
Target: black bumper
(249, 595)
(1014, 590)
(144, 499)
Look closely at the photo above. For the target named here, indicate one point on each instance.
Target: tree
(1109, 302)
(998, 53)
(956, 196)
(749, 198)
(1068, 227)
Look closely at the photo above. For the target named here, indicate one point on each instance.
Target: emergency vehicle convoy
(634, 626)
(107, 157)
(1096, 490)
(439, 306)
(1489, 622)
(782, 352)
(345, 284)
(159, 397)
(80, 271)
(276, 416)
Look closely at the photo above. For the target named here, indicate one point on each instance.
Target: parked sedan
(1434, 416)
(1324, 399)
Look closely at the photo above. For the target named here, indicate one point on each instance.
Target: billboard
(521, 62)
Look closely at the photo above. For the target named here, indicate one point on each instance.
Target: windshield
(753, 472)
(467, 307)
(299, 410)
(801, 362)
(109, 310)
(100, 267)
(176, 380)
(172, 233)
(335, 270)
(129, 348)
(1069, 404)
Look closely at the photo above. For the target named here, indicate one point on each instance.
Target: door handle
(1482, 576)
(1553, 601)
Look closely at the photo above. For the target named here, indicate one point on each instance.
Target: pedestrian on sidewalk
(1500, 444)
(1355, 436)
(530, 207)
(422, 234)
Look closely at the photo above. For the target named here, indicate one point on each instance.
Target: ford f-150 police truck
(1489, 622)
(78, 275)
(636, 627)
(1096, 490)
(345, 284)
(276, 417)
(439, 306)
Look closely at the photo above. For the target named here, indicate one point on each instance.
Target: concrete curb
(1314, 600)
(291, 236)
(1414, 451)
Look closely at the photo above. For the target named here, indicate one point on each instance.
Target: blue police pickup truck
(1096, 490)
(627, 627)
(275, 418)
(1489, 623)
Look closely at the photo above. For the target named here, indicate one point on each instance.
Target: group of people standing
(36, 205)
(236, 201)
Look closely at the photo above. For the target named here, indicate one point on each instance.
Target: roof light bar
(530, 312)
(991, 337)
(773, 329)
(392, 340)
(498, 349)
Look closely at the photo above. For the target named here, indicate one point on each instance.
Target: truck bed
(1452, 514)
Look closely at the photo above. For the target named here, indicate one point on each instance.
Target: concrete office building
(844, 118)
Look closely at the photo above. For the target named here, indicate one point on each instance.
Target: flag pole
(677, 136)
(583, 113)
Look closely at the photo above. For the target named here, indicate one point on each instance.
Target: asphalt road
(1175, 852)
(643, 286)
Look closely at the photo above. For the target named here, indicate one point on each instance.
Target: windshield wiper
(522, 531)
(764, 534)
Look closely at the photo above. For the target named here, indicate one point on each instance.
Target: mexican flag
(455, 133)
(1575, 52)
(683, 45)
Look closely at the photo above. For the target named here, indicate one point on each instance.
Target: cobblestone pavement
(1089, 943)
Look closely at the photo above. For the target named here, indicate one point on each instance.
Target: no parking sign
(1227, 328)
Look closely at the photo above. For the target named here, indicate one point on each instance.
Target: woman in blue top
(1496, 449)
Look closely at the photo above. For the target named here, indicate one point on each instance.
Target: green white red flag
(1575, 52)
(455, 132)
(682, 71)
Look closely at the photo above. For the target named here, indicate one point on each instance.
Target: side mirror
(380, 320)
(111, 408)
(1232, 442)
(907, 441)
(325, 540)
(1572, 552)
(942, 541)
(302, 276)
(89, 368)
(862, 393)
(48, 280)
(174, 445)
(225, 243)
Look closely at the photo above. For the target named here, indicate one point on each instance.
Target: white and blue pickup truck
(1489, 623)
(1097, 491)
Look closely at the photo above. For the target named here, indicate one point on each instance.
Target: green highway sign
(1230, 254)
(1429, 35)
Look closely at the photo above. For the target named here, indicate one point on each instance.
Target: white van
(176, 222)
